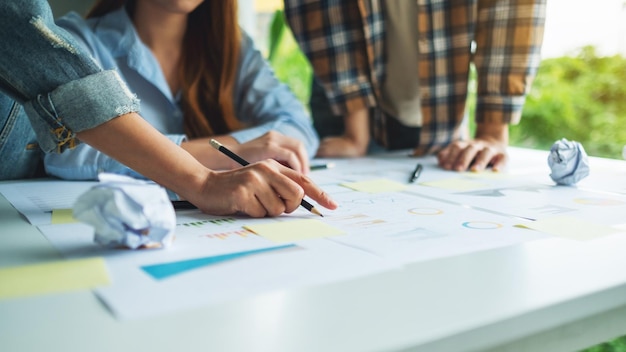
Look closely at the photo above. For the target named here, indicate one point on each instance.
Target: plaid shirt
(344, 41)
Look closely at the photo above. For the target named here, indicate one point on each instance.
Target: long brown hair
(208, 64)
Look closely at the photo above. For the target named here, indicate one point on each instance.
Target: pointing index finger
(311, 189)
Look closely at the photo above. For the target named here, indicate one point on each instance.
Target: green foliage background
(580, 98)
(288, 62)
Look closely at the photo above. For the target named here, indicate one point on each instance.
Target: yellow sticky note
(57, 276)
(571, 227)
(376, 186)
(290, 231)
(62, 216)
(456, 184)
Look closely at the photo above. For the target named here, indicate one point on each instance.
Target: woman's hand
(261, 189)
(274, 145)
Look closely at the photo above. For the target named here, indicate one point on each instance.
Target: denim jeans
(62, 89)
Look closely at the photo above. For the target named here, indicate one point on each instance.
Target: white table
(545, 295)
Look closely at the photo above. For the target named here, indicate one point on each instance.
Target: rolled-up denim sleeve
(76, 106)
(63, 90)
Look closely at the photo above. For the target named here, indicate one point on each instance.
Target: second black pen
(416, 173)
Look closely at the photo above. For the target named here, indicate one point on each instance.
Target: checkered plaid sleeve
(340, 48)
(508, 38)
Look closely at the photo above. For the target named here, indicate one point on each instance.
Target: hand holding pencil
(265, 188)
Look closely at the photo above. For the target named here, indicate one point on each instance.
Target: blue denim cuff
(76, 106)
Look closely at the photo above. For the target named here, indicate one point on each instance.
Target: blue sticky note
(165, 270)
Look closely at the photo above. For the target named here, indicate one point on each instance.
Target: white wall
(571, 24)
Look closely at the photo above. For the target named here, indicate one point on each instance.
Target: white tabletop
(550, 295)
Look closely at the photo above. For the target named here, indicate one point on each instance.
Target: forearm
(493, 131)
(85, 162)
(357, 127)
(202, 151)
(133, 142)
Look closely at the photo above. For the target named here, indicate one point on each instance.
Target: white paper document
(211, 261)
(406, 228)
(383, 223)
(37, 199)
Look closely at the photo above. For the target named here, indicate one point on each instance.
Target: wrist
(194, 186)
(495, 132)
(357, 127)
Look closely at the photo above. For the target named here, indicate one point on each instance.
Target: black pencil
(183, 204)
(217, 145)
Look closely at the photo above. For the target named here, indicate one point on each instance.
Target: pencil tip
(316, 212)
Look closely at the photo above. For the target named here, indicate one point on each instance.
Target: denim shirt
(261, 101)
(62, 89)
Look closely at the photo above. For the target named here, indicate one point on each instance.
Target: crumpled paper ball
(568, 161)
(126, 212)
